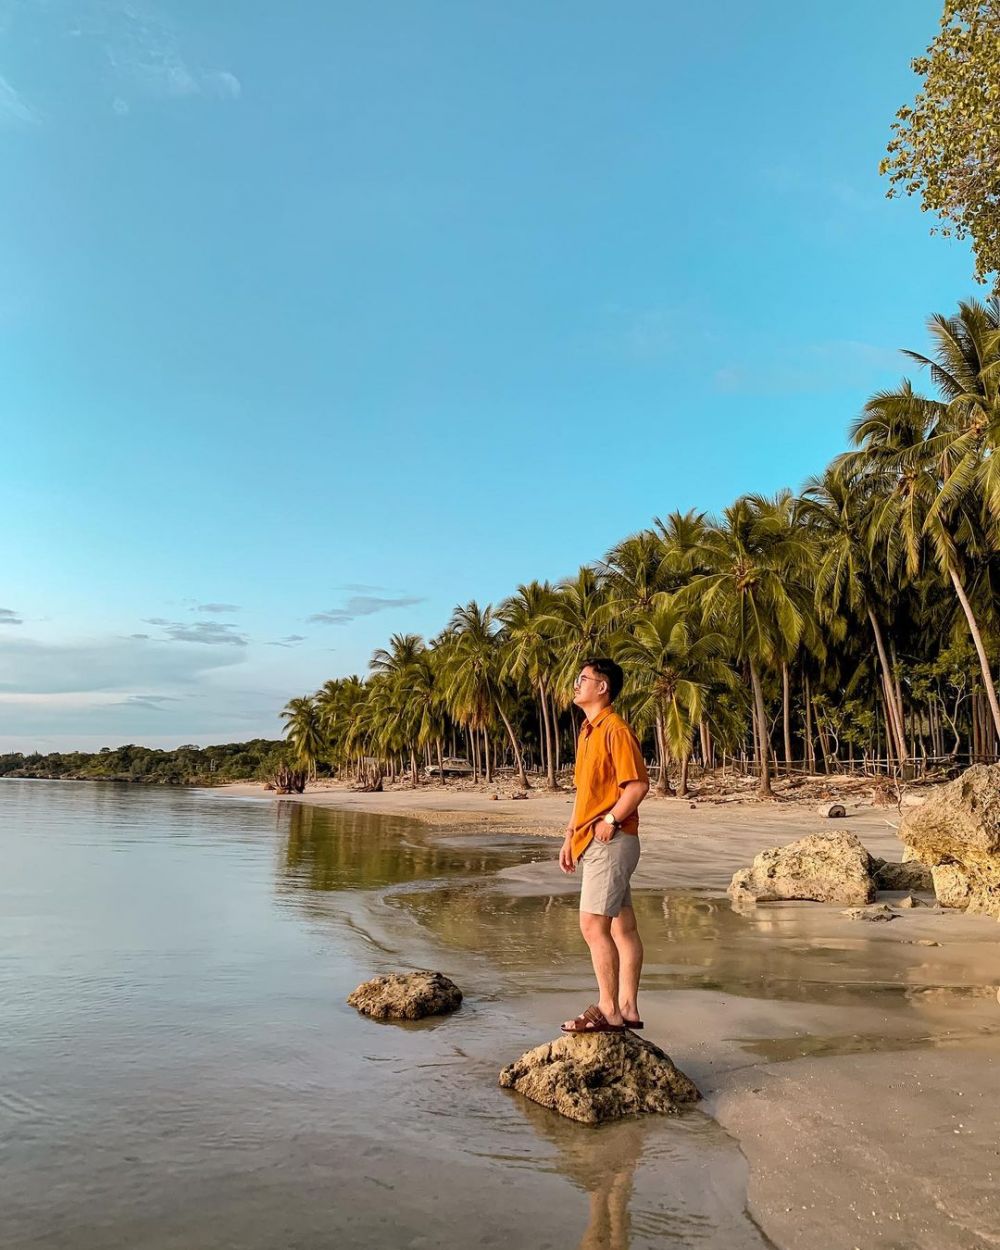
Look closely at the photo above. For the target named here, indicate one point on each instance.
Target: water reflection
(358, 851)
(647, 1182)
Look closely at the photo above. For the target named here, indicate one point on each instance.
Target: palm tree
(670, 668)
(837, 507)
(530, 654)
(399, 667)
(473, 675)
(582, 618)
(304, 731)
(933, 462)
(633, 572)
(744, 596)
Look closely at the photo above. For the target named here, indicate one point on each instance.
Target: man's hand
(566, 856)
(604, 832)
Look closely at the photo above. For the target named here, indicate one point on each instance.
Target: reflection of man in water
(603, 837)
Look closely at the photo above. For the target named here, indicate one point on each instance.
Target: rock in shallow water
(823, 868)
(406, 996)
(876, 912)
(600, 1076)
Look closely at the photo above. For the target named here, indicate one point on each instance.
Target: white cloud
(123, 50)
(123, 665)
(211, 633)
(14, 109)
(361, 605)
(224, 84)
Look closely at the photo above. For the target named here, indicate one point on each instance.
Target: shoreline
(867, 1111)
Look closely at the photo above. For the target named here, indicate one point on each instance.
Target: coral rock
(600, 1076)
(406, 996)
(823, 867)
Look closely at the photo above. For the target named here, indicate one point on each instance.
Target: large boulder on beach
(823, 868)
(406, 996)
(909, 875)
(951, 885)
(594, 1077)
(956, 833)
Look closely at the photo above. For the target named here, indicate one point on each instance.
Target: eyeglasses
(582, 677)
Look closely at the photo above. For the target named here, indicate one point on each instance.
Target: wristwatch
(609, 819)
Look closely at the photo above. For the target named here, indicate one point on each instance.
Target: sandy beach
(868, 1111)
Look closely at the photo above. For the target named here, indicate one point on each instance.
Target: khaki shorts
(607, 871)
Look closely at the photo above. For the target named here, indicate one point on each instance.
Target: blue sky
(316, 320)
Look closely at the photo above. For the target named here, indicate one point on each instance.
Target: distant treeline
(185, 766)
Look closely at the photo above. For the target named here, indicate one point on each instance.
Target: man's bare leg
(596, 931)
(625, 935)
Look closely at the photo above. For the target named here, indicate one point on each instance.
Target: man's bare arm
(632, 794)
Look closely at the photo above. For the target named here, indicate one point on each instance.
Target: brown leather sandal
(633, 1024)
(592, 1021)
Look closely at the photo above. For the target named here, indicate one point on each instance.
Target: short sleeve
(626, 757)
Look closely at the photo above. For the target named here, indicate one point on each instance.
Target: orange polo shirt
(607, 756)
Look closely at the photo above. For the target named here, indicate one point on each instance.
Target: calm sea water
(179, 1067)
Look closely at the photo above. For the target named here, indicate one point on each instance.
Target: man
(603, 837)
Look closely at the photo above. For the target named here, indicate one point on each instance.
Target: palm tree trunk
(549, 761)
(895, 726)
(487, 762)
(440, 763)
(897, 690)
(682, 784)
(786, 714)
(810, 763)
(824, 743)
(519, 763)
(886, 716)
(663, 781)
(413, 768)
(764, 781)
(977, 640)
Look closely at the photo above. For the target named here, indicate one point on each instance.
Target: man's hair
(610, 671)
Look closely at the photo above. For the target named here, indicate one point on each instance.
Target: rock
(600, 1076)
(876, 913)
(909, 875)
(951, 885)
(406, 996)
(926, 942)
(823, 867)
(910, 901)
(956, 833)
(831, 809)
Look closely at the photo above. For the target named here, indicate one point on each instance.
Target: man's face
(589, 687)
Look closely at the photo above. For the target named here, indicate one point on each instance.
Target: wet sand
(858, 1069)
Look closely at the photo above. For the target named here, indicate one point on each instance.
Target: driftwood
(286, 780)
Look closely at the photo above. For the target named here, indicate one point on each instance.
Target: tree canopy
(945, 146)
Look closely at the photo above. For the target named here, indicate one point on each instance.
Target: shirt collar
(602, 715)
